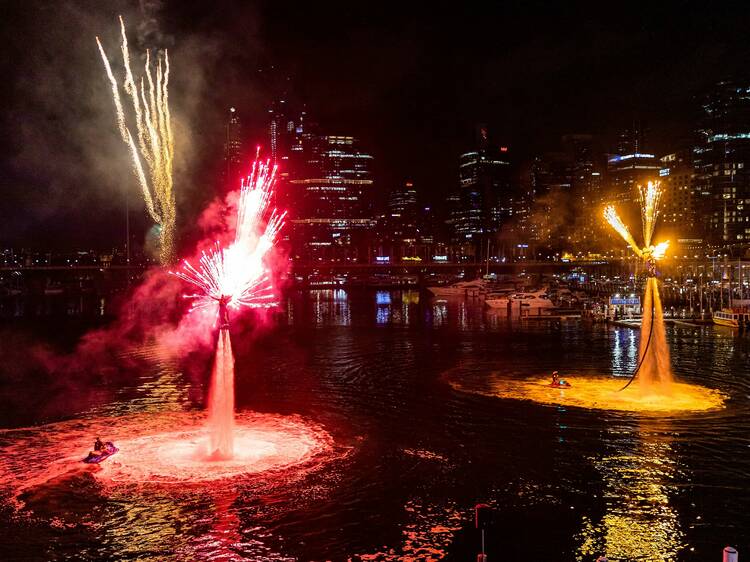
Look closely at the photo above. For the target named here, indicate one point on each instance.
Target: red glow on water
(162, 449)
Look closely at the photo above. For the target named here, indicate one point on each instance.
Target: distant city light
(618, 158)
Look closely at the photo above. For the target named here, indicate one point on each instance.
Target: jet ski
(561, 384)
(108, 451)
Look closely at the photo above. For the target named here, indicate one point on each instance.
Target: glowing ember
(160, 449)
(155, 143)
(599, 393)
(660, 250)
(236, 276)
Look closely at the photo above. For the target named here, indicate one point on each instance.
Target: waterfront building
(484, 199)
(330, 198)
(676, 176)
(721, 159)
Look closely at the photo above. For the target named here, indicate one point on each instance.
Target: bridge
(334, 268)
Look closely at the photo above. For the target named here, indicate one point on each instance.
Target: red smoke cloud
(155, 312)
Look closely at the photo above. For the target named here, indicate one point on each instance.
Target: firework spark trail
(155, 141)
(238, 272)
(611, 216)
(649, 198)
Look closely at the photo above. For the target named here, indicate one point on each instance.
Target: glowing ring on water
(599, 393)
(164, 448)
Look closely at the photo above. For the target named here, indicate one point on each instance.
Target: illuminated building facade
(232, 169)
(584, 209)
(678, 191)
(630, 166)
(329, 196)
(484, 199)
(626, 171)
(281, 130)
(407, 232)
(721, 160)
(403, 214)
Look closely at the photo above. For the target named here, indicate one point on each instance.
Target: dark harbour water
(371, 367)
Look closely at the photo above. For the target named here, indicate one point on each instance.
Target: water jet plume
(221, 401)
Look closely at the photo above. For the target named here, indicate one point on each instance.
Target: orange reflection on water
(600, 393)
(640, 522)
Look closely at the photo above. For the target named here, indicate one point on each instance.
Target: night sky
(409, 79)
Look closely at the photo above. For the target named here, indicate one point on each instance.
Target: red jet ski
(557, 382)
(108, 451)
(561, 384)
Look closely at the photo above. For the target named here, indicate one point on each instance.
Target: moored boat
(732, 317)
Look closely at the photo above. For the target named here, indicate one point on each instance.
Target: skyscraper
(629, 167)
(329, 195)
(721, 158)
(485, 194)
(281, 129)
(676, 177)
(402, 220)
(551, 185)
(584, 209)
(232, 169)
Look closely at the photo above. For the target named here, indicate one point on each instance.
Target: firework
(660, 250)
(649, 198)
(236, 276)
(611, 216)
(152, 149)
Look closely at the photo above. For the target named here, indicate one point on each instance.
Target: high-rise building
(551, 186)
(625, 172)
(329, 196)
(580, 151)
(584, 209)
(232, 169)
(403, 212)
(630, 166)
(632, 140)
(677, 200)
(282, 123)
(721, 159)
(401, 228)
(485, 195)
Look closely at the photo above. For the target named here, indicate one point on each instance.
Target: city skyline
(416, 134)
